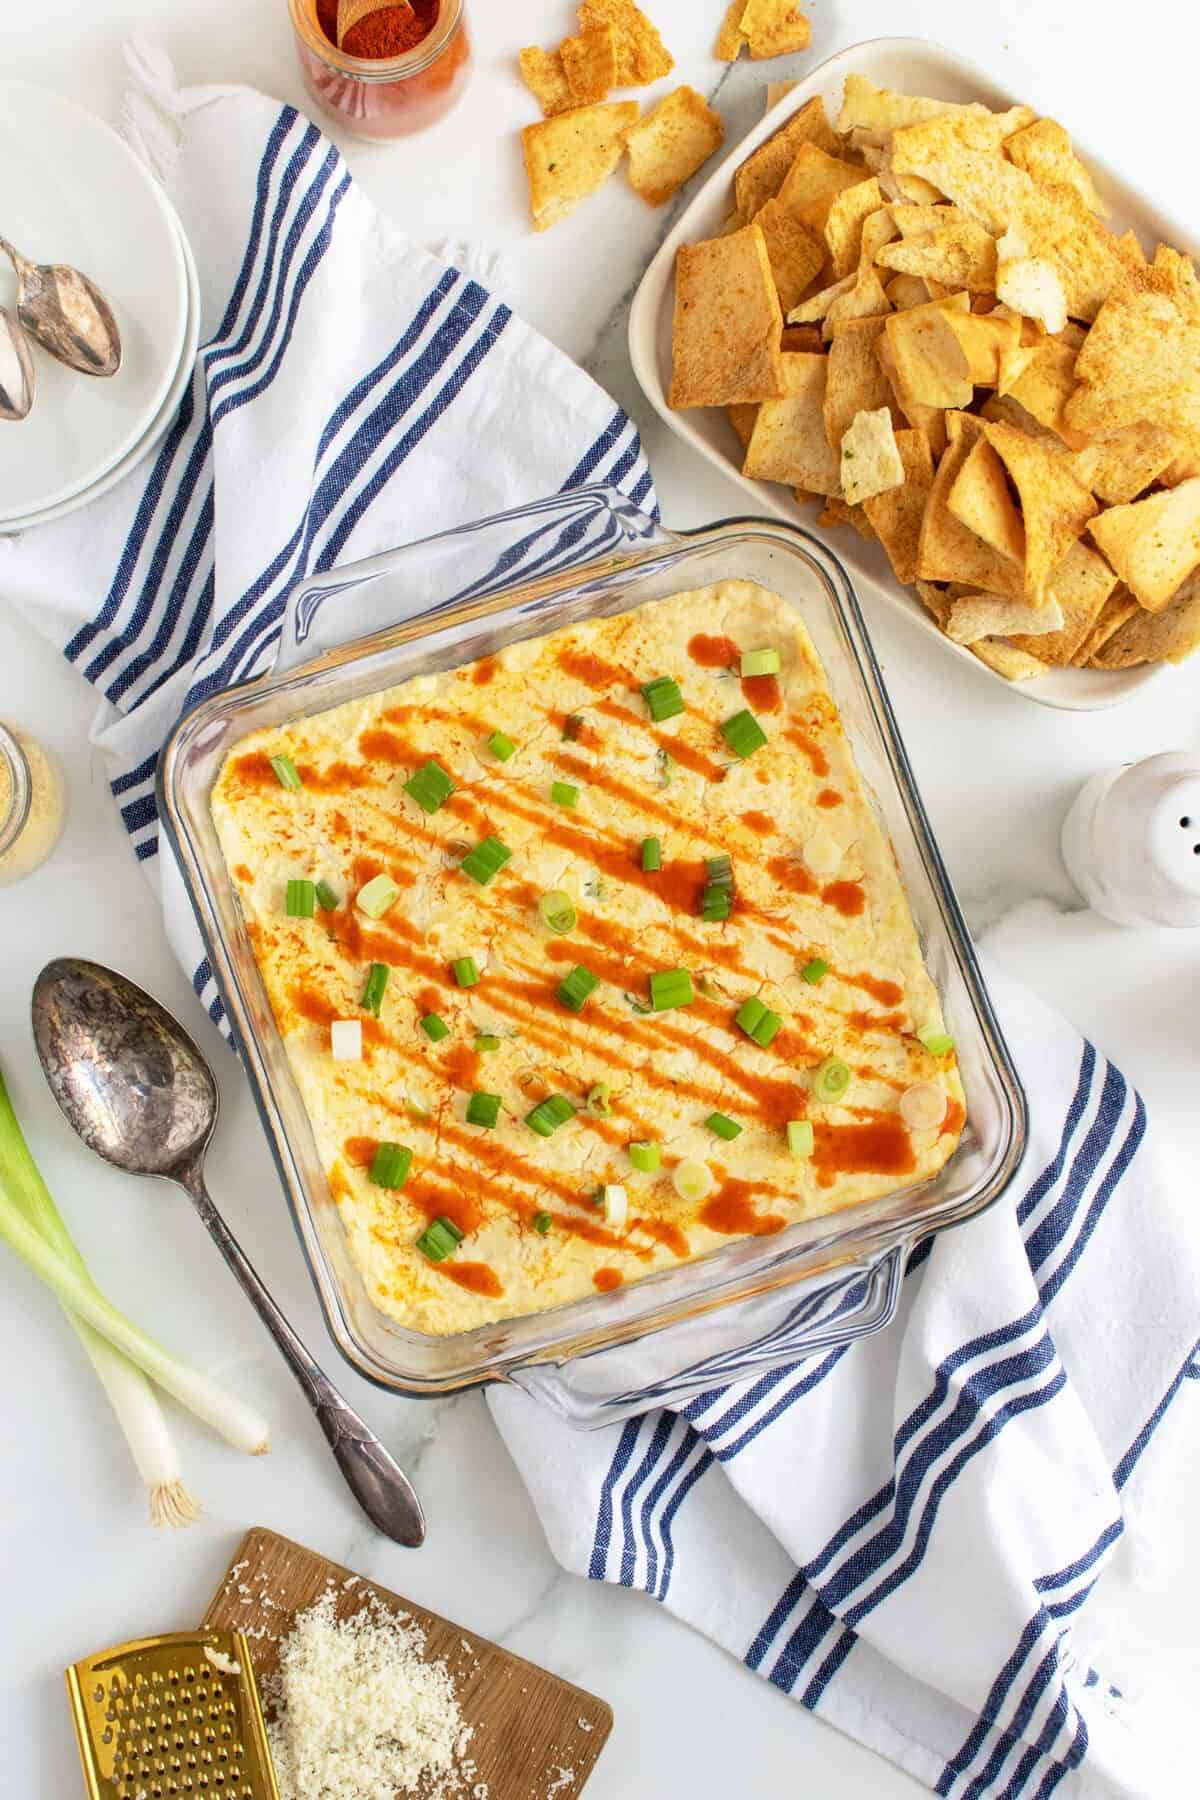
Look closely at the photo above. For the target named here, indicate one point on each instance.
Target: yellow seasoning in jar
(33, 805)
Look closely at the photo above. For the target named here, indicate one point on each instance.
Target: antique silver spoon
(66, 313)
(138, 1091)
(17, 381)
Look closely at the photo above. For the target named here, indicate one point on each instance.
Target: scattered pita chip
(774, 28)
(980, 500)
(789, 441)
(948, 551)
(961, 254)
(762, 173)
(742, 419)
(731, 37)
(906, 290)
(855, 382)
(1055, 505)
(929, 421)
(544, 75)
(931, 364)
(1044, 151)
(1121, 467)
(844, 224)
(670, 143)
(896, 514)
(994, 615)
(642, 57)
(836, 512)
(1013, 664)
(1117, 609)
(801, 337)
(1153, 544)
(870, 461)
(590, 63)
(796, 255)
(569, 156)
(814, 181)
(1033, 287)
(1079, 588)
(985, 339)
(727, 323)
(1169, 636)
(1141, 360)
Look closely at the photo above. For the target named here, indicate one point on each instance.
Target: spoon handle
(377, 1482)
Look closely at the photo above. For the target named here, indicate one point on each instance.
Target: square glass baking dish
(752, 1304)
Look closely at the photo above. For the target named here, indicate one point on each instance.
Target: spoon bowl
(66, 312)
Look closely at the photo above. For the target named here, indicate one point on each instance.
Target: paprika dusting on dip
(397, 69)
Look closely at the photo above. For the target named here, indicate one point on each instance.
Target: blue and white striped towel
(902, 1534)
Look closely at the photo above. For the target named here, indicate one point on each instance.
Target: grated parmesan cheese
(358, 1711)
(220, 1661)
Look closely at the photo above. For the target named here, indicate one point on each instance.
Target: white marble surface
(81, 1567)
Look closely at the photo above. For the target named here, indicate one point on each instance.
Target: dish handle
(668, 1367)
(458, 566)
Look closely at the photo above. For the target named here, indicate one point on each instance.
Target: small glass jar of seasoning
(374, 90)
(33, 805)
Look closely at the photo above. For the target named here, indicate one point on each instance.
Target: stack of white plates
(72, 192)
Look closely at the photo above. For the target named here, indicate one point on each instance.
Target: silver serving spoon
(137, 1090)
(17, 381)
(66, 313)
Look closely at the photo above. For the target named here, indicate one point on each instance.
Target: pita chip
(814, 181)
(1141, 359)
(544, 75)
(774, 28)
(959, 253)
(670, 144)
(1044, 151)
(1005, 659)
(590, 64)
(978, 616)
(731, 38)
(1168, 636)
(855, 382)
(569, 156)
(796, 255)
(789, 442)
(837, 512)
(1117, 609)
(870, 459)
(1119, 468)
(896, 514)
(1153, 544)
(762, 173)
(929, 421)
(980, 500)
(1055, 505)
(948, 551)
(1078, 589)
(1033, 287)
(727, 324)
(931, 364)
(642, 57)
(742, 419)
(844, 224)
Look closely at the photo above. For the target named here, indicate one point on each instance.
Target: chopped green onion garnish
(327, 899)
(761, 662)
(646, 1157)
(542, 1223)
(430, 786)
(800, 1137)
(615, 1201)
(743, 734)
(723, 1127)
(651, 855)
(390, 1166)
(301, 899)
(716, 902)
(466, 971)
(486, 1044)
(378, 896)
(485, 860)
(814, 971)
(577, 986)
(549, 1114)
(598, 1099)
(563, 793)
(556, 912)
(375, 989)
(285, 770)
(439, 1240)
(666, 767)
(831, 1079)
(435, 1028)
(571, 726)
(663, 697)
(670, 988)
(936, 1042)
(483, 1109)
(501, 746)
(757, 1020)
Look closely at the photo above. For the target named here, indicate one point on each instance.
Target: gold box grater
(159, 1719)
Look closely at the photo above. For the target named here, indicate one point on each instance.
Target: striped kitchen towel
(903, 1534)
(352, 393)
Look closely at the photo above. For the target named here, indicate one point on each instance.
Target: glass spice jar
(385, 97)
(33, 805)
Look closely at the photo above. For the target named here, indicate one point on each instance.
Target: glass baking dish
(753, 1304)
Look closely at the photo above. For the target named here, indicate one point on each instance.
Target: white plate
(72, 192)
(910, 66)
(158, 428)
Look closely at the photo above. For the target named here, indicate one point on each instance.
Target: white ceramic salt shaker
(1131, 841)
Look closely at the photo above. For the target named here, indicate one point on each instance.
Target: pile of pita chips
(918, 318)
(582, 137)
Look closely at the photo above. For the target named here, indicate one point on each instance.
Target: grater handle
(375, 1479)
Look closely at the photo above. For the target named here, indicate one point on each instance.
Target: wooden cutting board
(536, 1737)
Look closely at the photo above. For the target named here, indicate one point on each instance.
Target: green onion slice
(501, 746)
(375, 989)
(549, 1114)
(666, 767)
(390, 1165)
(429, 786)
(466, 971)
(743, 734)
(663, 697)
(577, 986)
(800, 1137)
(378, 896)
(723, 1127)
(572, 725)
(761, 662)
(716, 902)
(435, 1028)
(936, 1042)
(831, 1079)
(286, 772)
(598, 1099)
(646, 1157)
(557, 913)
(483, 1109)
(486, 1044)
(757, 1020)
(563, 793)
(301, 899)
(651, 855)
(814, 971)
(326, 897)
(485, 860)
(542, 1222)
(670, 988)
(439, 1240)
